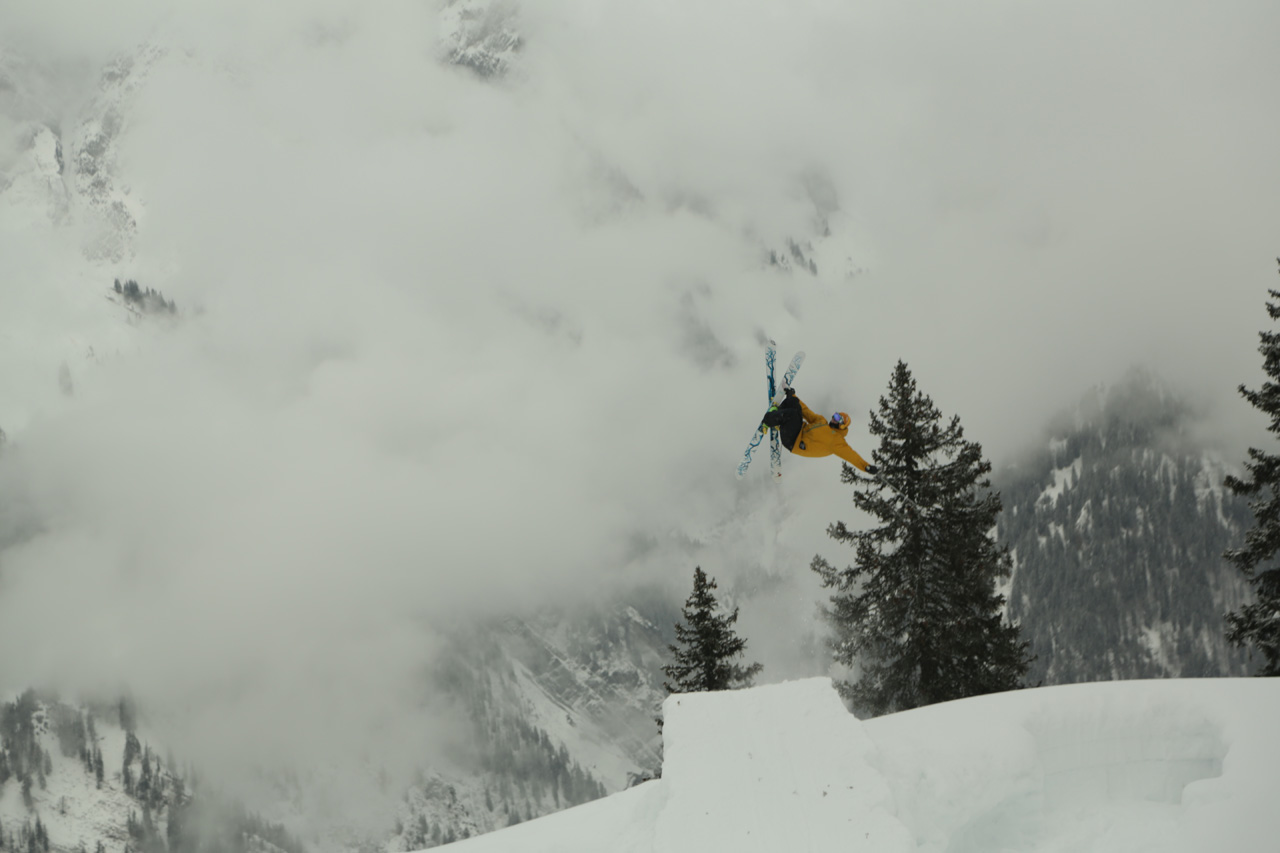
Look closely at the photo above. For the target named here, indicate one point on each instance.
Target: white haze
(464, 345)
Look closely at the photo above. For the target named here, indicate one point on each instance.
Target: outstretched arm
(848, 454)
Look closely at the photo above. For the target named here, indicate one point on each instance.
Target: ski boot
(765, 427)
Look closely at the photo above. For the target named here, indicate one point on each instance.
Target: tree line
(146, 301)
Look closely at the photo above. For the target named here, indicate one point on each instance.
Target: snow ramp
(1173, 766)
(783, 767)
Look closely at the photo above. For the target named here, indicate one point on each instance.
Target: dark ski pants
(788, 419)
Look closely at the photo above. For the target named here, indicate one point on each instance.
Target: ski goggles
(837, 419)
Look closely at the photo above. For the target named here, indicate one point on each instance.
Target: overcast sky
(465, 344)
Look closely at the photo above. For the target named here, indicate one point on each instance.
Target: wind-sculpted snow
(1161, 765)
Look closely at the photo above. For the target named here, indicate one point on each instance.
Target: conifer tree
(1257, 625)
(918, 614)
(707, 645)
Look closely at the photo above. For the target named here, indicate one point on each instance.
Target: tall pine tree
(918, 613)
(1257, 625)
(707, 645)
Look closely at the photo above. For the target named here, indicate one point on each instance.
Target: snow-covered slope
(86, 777)
(1180, 765)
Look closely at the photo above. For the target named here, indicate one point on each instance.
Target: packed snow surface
(1169, 766)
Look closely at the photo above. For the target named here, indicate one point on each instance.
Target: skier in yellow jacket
(806, 433)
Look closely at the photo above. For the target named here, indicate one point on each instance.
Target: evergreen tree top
(1257, 625)
(706, 644)
(918, 611)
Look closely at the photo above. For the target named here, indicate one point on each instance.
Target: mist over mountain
(1118, 526)
(372, 377)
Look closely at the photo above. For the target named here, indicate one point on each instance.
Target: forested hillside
(1118, 526)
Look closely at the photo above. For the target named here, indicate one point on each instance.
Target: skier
(806, 433)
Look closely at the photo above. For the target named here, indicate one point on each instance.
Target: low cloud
(453, 346)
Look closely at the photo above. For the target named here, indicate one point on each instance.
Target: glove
(872, 470)
(790, 392)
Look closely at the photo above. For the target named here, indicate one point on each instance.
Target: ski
(775, 438)
(775, 442)
(770, 356)
(792, 369)
(746, 456)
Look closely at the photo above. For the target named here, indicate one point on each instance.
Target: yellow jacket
(819, 438)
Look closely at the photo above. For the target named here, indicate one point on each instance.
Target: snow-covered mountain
(486, 281)
(559, 709)
(1117, 529)
(549, 711)
(81, 778)
(64, 168)
(1156, 765)
(481, 35)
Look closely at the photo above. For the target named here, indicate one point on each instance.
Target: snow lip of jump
(1175, 765)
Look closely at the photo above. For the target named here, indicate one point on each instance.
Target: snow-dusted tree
(918, 616)
(1257, 625)
(706, 645)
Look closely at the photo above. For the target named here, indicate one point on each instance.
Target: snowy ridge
(1180, 765)
(31, 188)
(73, 175)
(595, 681)
(591, 747)
(95, 149)
(480, 35)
